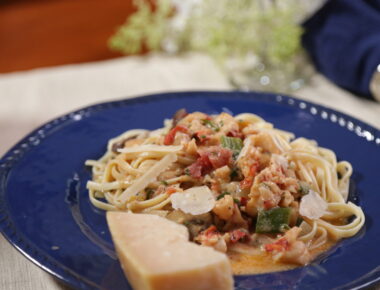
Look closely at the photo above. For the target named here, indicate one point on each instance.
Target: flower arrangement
(256, 42)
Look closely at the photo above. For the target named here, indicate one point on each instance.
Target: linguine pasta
(232, 181)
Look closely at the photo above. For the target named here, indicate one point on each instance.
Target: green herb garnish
(210, 124)
(220, 196)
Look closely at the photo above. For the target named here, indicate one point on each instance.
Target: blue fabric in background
(343, 40)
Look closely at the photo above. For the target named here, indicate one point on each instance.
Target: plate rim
(16, 152)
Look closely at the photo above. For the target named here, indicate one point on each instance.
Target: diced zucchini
(275, 220)
(232, 143)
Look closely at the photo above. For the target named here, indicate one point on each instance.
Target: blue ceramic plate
(45, 212)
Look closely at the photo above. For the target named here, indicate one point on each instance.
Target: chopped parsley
(237, 201)
(210, 124)
(220, 196)
(164, 182)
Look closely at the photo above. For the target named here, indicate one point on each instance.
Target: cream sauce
(251, 261)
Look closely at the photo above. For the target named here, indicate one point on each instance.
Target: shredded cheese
(312, 205)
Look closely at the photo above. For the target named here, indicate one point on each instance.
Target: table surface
(35, 34)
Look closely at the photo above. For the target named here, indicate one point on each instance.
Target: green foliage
(145, 27)
(219, 27)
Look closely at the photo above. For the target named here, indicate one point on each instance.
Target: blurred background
(42, 33)
(59, 55)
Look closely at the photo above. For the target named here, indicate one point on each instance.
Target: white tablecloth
(28, 99)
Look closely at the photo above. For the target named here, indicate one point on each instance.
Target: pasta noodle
(282, 195)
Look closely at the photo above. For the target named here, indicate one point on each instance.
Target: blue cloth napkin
(343, 40)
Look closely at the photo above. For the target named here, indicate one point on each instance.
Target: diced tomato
(200, 167)
(253, 169)
(202, 136)
(214, 157)
(210, 231)
(219, 156)
(243, 201)
(268, 204)
(247, 182)
(278, 246)
(195, 170)
(237, 235)
(208, 237)
(169, 138)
